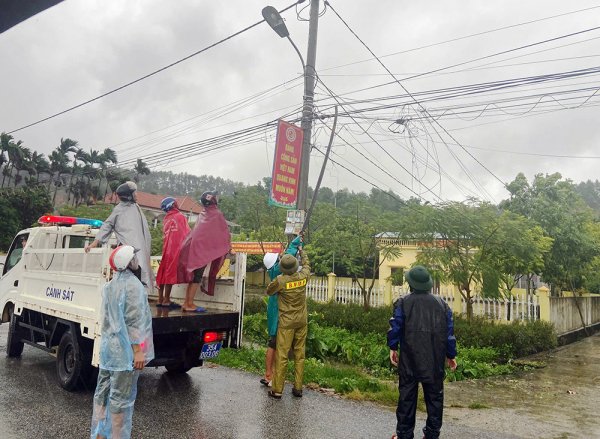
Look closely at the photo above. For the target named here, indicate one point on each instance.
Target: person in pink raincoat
(203, 251)
(175, 229)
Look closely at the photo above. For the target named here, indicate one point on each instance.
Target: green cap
(288, 264)
(418, 277)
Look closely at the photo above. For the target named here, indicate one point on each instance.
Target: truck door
(11, 270)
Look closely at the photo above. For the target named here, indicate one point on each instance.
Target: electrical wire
(423, 108)
(162, 69)
(463, 38)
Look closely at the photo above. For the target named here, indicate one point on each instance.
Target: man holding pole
(271, 261)
(291, 332)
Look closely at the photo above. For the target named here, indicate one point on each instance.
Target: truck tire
(178, 368)
(14, 346)
(69, 362)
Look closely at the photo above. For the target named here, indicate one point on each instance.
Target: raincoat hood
(175, 229)
(130, 226)
(208, 243)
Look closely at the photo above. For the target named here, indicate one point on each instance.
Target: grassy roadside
(343, 379)
(350, 381)
(347, 353)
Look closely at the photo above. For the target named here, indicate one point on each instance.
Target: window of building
(397, 276)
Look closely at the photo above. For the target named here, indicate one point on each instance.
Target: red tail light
(210, 337)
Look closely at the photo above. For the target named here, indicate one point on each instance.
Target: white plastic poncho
(126, 319)
(130, 226)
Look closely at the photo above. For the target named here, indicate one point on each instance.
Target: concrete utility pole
(307, 107)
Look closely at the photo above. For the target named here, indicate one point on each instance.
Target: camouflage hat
(288, 264)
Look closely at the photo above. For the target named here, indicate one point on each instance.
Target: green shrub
(474, 363)
(255, 328)
(353, 316)
(510, 340)
(255, 305)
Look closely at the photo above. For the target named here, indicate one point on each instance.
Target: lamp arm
(299, 54)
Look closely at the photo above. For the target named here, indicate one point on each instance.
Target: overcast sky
(80, 49)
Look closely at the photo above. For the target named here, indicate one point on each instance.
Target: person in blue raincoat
(125, 348)
(271, 261)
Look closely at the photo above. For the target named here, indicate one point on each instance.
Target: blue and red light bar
(68, 220)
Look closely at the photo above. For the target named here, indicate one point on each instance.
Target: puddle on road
(536, 404)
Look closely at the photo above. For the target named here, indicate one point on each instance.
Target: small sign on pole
(286, 165)
(294, 222)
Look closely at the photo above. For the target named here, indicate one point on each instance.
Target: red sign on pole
(286, 165)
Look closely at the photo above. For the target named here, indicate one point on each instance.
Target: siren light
(68, 220)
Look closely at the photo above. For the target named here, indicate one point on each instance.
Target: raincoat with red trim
(175, 229)
(208, 243)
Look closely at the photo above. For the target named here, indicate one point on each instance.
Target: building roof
(151, 201)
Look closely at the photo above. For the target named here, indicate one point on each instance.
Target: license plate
(210, 351)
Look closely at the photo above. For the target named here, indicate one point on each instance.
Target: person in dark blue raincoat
(423, 329)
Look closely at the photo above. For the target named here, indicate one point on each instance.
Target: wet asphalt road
(207, 403)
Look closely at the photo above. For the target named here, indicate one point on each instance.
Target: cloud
(78, 50)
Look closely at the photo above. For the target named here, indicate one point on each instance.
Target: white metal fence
(345, 292)
(515, 308)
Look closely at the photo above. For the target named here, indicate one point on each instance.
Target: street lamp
(273, 19)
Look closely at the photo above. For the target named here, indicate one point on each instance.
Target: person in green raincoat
(292, 329)
(271, 261)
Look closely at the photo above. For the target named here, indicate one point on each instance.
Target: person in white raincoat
(125, 348)
(130, 225)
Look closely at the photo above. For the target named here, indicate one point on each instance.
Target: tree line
(82, 177)
(548, 226)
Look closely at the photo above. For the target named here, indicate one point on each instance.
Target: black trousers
(407, 407)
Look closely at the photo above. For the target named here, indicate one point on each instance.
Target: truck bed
(165, 320)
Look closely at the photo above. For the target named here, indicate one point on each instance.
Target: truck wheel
(14, 346)
(177, 368)
(69, 362)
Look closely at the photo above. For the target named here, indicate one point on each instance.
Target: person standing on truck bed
(203, 251)
(175, 229)
(125, 348)
(292, 328)
(130, 225)
(271, 261)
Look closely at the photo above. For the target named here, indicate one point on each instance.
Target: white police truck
(50, 294)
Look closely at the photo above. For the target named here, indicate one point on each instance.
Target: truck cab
(50, 294)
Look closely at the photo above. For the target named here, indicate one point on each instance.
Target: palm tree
(5, 140)
(93, 158)
(76, 172)
(63, 149)
(40, 165)
(22, 162)
(140, 168)
(108, 156)
(67, 145)
(59, 164)
(16, 155)
(113, 180)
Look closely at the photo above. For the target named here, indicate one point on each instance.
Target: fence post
(544, 302)
(457, 303)
(331, 287)
(387, 292)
